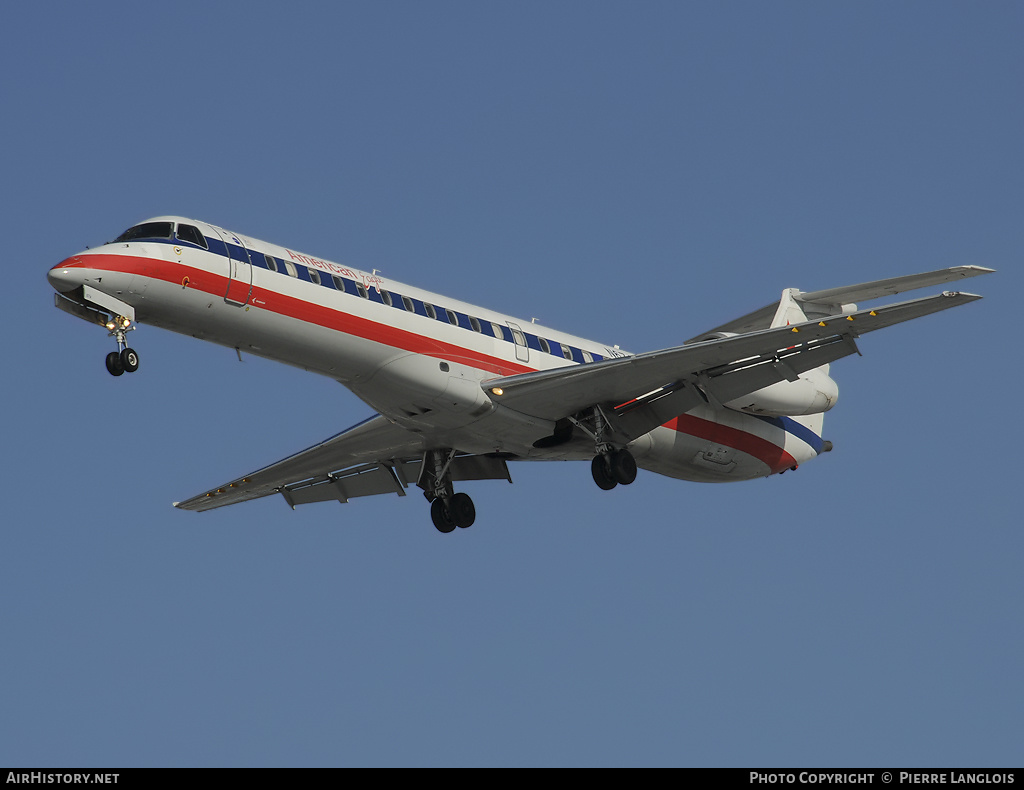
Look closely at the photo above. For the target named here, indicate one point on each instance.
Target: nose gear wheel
(114, 366)
(129, 360)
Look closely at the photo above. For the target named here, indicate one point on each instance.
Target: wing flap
(371, 443)
(359, 481)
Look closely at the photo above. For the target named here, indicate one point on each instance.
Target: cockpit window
(191, 234)
(147, 230)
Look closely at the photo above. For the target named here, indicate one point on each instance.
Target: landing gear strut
(448, 510)
(124, 359)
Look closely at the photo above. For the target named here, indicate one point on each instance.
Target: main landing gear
(612, 468)
(448, 510)
(613, 465)
(457, 511)
(124, 360)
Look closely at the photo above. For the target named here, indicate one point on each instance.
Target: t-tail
(804, 397)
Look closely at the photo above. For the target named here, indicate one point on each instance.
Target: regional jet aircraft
(459, 390)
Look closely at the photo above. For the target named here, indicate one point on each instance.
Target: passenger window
(431, 312)
(361, 290)
(519, 337)
(407, 302)
(314, 275)
(544, 345)
(497, 331)
(338, 283)
(587, 357)
(271, 262)
(566, 352)
(452, 318)
(191, 234)
(292, 271)
(385, 296)
(475, 324)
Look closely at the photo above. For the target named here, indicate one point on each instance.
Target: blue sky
(634, 173)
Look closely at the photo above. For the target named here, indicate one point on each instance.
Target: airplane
(460, 390)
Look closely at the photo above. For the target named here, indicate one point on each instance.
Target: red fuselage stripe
(319, 315)
(775, 457)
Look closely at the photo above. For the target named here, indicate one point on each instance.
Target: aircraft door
(239, 269)
(522, 350)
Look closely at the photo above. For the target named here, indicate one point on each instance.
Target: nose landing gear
(124, 359)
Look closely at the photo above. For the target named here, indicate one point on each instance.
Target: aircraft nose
(66, 275)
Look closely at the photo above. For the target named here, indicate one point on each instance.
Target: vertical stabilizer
(790, 311)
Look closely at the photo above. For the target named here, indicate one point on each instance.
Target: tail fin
(797, 307)
(789, 310)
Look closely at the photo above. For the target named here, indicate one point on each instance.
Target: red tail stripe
(776, 458)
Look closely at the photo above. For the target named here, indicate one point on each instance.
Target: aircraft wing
(372, 447)
(373, 457)
(724, 369)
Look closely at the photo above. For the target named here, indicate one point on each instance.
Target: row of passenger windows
(191, 234)
(426, 309)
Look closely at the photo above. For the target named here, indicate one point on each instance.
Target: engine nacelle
(815, 392)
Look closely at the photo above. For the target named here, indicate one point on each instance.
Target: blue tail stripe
(802, 432)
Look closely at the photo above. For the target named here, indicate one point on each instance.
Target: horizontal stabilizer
(863, 292)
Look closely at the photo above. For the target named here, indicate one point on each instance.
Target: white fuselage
(416, 357)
